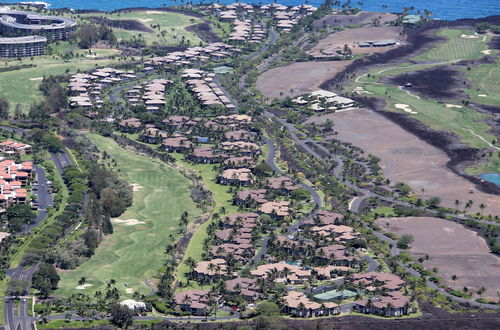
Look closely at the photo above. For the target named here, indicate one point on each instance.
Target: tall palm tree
(191, 263)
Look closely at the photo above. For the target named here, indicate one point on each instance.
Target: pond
(491, 177)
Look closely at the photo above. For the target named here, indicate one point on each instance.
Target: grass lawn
(58, 324)
(386, 211)
(134, 253)
(3, 293)
(172, 27)
(222, 199)
(457, 46)
(21, 86)
(222, 29)
(485, 81)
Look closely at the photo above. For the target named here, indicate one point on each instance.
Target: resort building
(22, 46)
(15, 23)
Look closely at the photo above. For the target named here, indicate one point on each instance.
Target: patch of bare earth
(297, 78)
(360, 18)
(453, 250)
(354, 37)
(406, 158)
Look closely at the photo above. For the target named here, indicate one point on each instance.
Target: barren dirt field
(453, 250)
(405, 158)
(361, 18)
(353, 37)
(297, 78)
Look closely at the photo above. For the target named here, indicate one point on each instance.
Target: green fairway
(460, 44)
(459, 119)
(222, 199)
(169, 28)
(134, 252)
(21, 86)
(485, 80)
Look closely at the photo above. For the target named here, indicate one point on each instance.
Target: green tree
(121, 316)
(4, 108)
(405, 241)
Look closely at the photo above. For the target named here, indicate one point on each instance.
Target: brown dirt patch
(453, 250)
(297, 78)
(361, 18)
(406, 158)
(353, 37)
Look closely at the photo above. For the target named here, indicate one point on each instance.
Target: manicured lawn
(222, 199)
(386, 211)
(457, 47)
(438, 116)
(485, 81)
(172, 27)
(3, 291)
(21, 86)
(58, 324)
(134, 253)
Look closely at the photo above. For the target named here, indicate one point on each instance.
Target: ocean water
(442, 9)
(491, 177)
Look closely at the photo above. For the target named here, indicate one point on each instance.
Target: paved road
(14, 317)
(271, 161)
(273, 36)
(61, 160)
(44, 199)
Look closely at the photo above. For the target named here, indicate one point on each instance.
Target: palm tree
(211, 270)
(191, 263)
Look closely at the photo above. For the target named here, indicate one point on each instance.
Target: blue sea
(441, 9)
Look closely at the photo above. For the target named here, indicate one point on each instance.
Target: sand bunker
(468, 36)
(453, 106)
(91, 56)
(483, 95)
(486, 52)
(145, 20)
(129, 290)
(83, 286)
(38, 78)
(136, 187)
(153, 12)
(128, 222)
(405, 108)
(361, 90)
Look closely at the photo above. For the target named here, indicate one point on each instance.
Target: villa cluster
(13, 179)
(283, 17)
